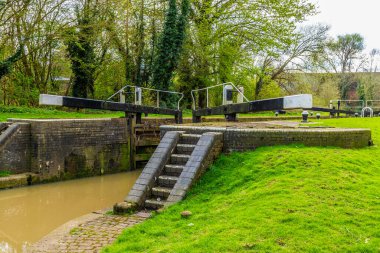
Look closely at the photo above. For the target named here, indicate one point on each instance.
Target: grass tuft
(4, 173)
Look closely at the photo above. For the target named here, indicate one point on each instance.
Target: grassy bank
(275, 199)
(15, 112)
(7, 112)
(4, 173)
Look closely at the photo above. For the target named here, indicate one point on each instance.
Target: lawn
(52, 113)
(15, 112)
(275, 199)
(7, 112)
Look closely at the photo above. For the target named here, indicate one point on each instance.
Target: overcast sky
(351, 16)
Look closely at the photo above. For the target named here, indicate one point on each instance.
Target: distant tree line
(92, 48)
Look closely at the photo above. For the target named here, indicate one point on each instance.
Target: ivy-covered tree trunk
(82, 54)
(170, 44)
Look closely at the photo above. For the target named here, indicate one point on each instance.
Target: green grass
(275, 199)
(4, 173)
(7, 112)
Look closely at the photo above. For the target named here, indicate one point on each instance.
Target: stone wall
(70, 148)
(236, 139)
(76, 148)
(15, 152)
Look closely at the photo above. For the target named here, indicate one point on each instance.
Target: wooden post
(131, 123)
(138, 118)
(231, 117)
(179, 118)
(196, 119)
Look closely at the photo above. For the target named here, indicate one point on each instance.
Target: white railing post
(207, 98)
(158, 99)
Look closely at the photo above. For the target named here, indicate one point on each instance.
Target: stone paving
(91, 235)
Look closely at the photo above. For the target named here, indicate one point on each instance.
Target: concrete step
(189, 139)
(179, 159)
(173, 169)
(154, 204)
(161, 192)
(186, 149)
(167, 181)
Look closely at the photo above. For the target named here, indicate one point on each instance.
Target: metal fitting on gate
(305, 115)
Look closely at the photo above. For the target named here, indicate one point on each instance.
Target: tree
(226, 36)
(341, 55)
(275, 64)
(6, 66)
(118, 42)
(81, 46)
(170, 44)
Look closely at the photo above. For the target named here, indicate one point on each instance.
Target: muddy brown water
(27, 214)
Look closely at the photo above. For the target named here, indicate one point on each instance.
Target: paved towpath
(89, 233)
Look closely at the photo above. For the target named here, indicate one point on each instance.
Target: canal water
(27, 214)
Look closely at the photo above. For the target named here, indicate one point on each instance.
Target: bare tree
(342, 55)
(276, 63)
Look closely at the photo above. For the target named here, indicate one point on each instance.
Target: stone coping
(18, 180)
(242, 139)
(60, 120)
(283, 130)
(242, 118)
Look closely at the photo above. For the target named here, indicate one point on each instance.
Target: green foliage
(4, 173)
(275, 199)
(81, 52)
(6, 66)
(270, 90)
(170, 44)
(351, 44)
(7, 112)
(110, 80)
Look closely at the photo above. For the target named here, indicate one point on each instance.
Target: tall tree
(82, 45)
(342, 54)
(170, 44)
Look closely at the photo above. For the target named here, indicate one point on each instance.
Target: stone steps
(164, 181)
(185, 149)
(173, 169)
(154, 204)
(191, 139)
(167, 181)
(179, 159)
(161, 192)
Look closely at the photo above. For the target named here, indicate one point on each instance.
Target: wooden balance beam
(284, 103)
(73, 102)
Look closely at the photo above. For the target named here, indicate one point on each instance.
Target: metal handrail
(334, 101)
(366, 104)
(367, 109)
(150, 89)
(214, 86)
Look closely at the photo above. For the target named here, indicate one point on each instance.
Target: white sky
(351, 16)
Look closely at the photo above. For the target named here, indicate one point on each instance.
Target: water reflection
(27, 214)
